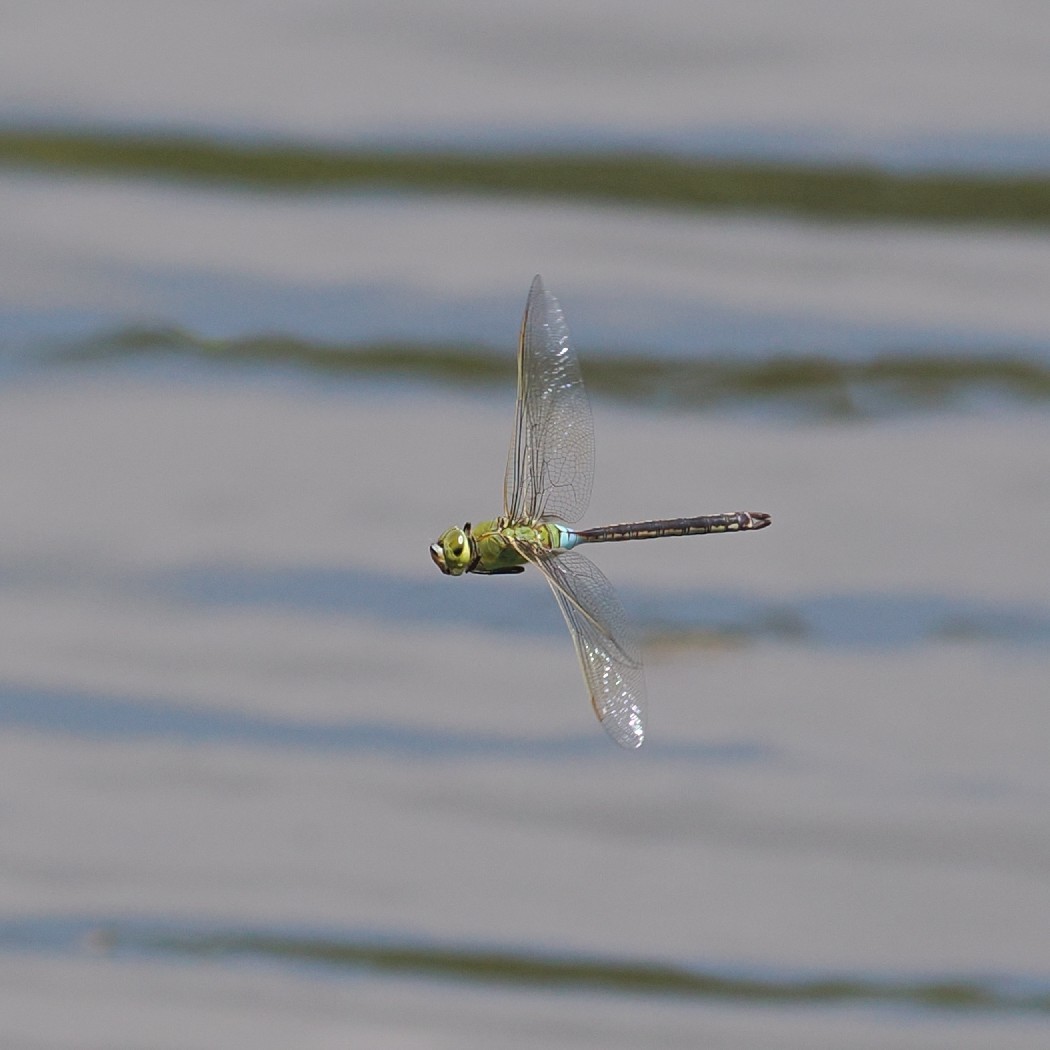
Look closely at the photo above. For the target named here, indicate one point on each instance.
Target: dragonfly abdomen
(738, 521)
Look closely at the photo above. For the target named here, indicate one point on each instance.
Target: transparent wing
(609, 655)
(551, 462)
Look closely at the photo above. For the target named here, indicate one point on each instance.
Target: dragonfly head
(454, 552)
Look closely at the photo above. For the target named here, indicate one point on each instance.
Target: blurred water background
(268, 780)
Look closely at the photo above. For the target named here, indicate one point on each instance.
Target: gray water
(270, 780)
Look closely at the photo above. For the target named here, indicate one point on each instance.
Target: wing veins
(542, 558)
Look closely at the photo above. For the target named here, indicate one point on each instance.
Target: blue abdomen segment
(562, 537)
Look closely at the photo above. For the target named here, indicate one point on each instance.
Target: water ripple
(518, 966)
(98, 716)
(855, 619)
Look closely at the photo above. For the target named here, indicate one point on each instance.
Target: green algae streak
(641, 179)
(803, 385)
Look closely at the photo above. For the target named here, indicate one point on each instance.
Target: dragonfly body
(494, 547)
(497, 546)
(546, 489)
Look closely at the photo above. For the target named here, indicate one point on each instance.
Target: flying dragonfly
(546, 489)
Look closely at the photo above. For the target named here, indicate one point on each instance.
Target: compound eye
(455, 551)
(455, 544)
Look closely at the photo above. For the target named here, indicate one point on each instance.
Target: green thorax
(495, 542)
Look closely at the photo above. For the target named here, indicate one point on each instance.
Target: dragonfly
(546, 490)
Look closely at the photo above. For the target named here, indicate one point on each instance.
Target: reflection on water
(105, 717)
(880, 620)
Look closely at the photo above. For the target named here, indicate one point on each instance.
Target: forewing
(609, 654)
(550, 467)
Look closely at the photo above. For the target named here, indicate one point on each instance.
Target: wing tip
(630, 735)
